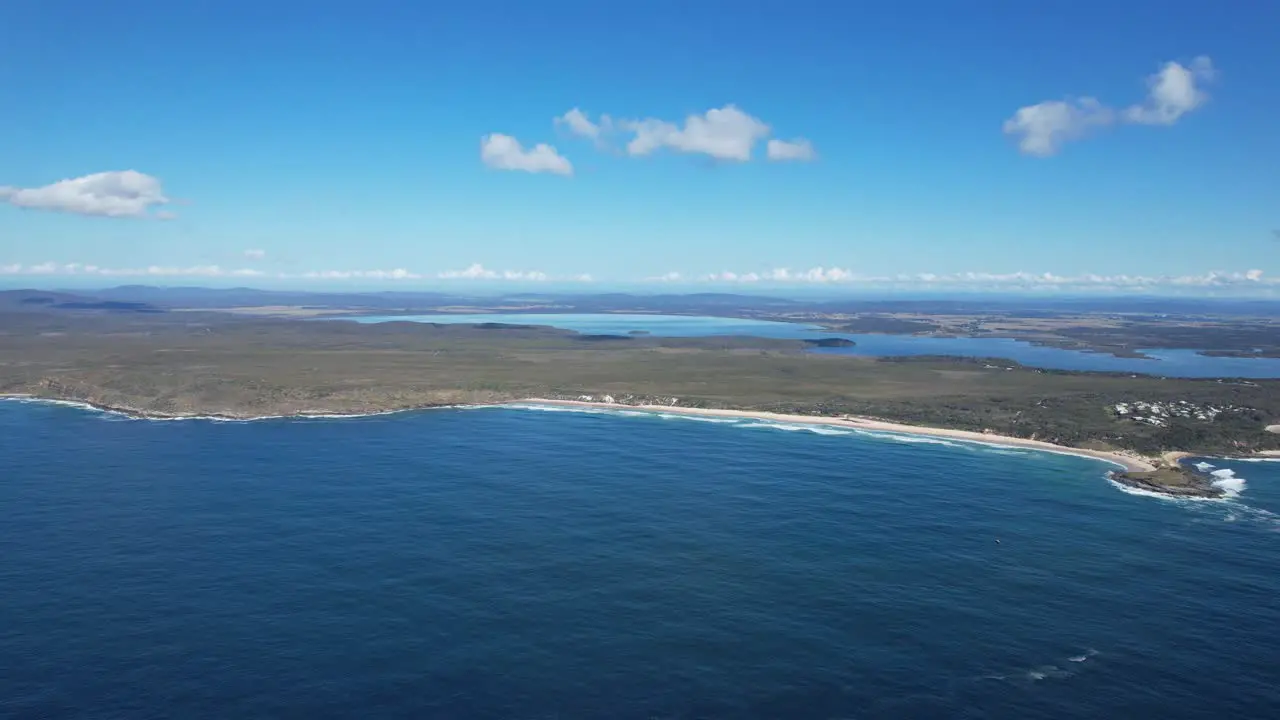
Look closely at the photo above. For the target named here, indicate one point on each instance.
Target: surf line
(1127, 461)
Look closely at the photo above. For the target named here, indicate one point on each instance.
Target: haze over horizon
(746, 147)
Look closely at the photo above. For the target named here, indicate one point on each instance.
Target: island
(831, 342)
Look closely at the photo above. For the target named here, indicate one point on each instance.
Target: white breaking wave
(825, 430)
(1231, 485)
(1204, 466)
(772, 426)
(550, 409)
(1161, 496)
(798, 427)
(1047, 671)
(915, 439)
(1229, 507)
(29, 400)
(994, 448)
(699, 418)
(620, 411)
(115, 414)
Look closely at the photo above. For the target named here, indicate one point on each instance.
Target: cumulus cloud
(206, 271)
(797, 149)
(503, 152)
(725, 133)
(1211, 279)
(1045, 126)
(255, 254)
(479, 272)
(396, 274)
(785, 275)
(579, 124)
(1172, 92)
(1253, 278)
(125, 193)
(475, 272)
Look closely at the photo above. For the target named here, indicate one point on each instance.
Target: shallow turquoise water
(517, 563)
(1171, 363)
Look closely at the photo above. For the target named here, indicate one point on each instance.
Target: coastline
(135, 414)
(1128, 460)
(1131, 462)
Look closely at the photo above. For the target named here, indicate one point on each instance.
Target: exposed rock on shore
(1174, 481)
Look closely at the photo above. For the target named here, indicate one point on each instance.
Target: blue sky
(342, 143)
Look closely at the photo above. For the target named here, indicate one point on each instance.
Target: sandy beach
(1129, 461)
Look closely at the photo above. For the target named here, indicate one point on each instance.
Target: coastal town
(1159, 413)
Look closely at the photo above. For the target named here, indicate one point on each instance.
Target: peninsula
(160, 362)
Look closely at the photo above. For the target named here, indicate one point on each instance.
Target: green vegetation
(1173, 480)
(209, 363)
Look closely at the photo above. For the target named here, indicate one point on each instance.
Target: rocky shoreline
(1172, 481)
(139, 414)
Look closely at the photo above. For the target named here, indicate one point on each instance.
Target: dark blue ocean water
(1170, 363)
(506, 563)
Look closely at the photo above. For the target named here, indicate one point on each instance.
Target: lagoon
(1166, 362)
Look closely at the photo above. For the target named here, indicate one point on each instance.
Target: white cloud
(504, 152)
(49, 268)
(1044, 127)
(255, 254)
(730, 276)
(1253, 278)
(725, 133)
(673, 276)
(480, 272)
(797, 149)
(1209, 279)
(475, 272)
(783, 275)
(126, 193)
(396, 274)
(815, 275)
(1172, 93)
(579, 124)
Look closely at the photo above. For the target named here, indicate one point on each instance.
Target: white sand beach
(1130, 461)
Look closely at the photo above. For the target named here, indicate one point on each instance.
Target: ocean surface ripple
(507, 563)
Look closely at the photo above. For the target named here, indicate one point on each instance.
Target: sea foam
(1226, 479)
(117, 414)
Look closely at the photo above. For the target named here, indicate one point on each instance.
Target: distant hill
(146, 298)
(43, 301)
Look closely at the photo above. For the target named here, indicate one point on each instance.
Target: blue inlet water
(513, 563)
(1170, 363)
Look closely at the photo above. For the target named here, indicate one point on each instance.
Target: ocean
(527, 563)
(1166, 362)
